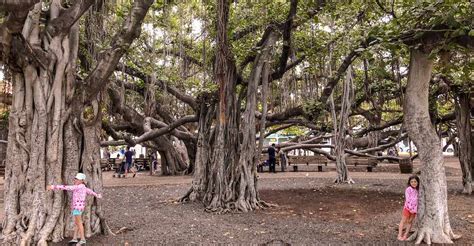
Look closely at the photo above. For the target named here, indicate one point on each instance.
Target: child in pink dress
(79, 194)
(410, 207)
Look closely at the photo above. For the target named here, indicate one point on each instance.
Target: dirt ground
(311, 210)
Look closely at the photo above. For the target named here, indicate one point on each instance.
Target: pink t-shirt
(79, 193)
(411, 199)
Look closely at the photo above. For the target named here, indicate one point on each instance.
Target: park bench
(115, 163)
(370, 162)
(2, 168)
(261, 162)
(307, 160)
(106, 164)
(142, 164)
(406, 165)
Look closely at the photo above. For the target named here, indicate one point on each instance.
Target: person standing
(79, 194)
(128, 161)
(271, 158)
(409, 208)
(283, 160)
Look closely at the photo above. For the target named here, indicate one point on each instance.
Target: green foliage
(4, 116)
(177, 45)
(313, 110)
(294, 131)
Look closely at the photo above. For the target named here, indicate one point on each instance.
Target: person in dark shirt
(128, 161)
(271, 158)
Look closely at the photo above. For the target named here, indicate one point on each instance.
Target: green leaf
(471, 33)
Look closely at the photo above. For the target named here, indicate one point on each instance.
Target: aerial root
(186, 197)
(427, 235)
(122, 230)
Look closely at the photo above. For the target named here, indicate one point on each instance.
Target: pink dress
(411, 199)
(79, 193)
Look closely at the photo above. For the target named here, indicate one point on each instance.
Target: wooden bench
(370, 162)
(406, 165)
(115, 163)
(104, 164)
(142, 164)
(307, 160)
(261, 162)
(2, 168)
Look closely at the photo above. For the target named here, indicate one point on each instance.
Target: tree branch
(287, 114)
(165, 129)
(287, 27)
(13, 23)
(99, 77)
(162, 84)
(17, 6)
(68, 17)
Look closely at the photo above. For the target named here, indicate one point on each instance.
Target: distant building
(277, 138)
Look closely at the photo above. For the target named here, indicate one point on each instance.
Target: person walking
(128, 162)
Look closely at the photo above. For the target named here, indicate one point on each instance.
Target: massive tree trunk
(225, 174)
(48, 147)
(171, 161)
(464, 134)
(54, 121)
(433, 217)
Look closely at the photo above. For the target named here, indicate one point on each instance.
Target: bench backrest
(2, 168)
(311, 159)
(141, 160)
(115, 162)
(104, 163)
(264, 158)
(361, 161)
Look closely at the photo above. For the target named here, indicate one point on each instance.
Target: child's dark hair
(417, 180)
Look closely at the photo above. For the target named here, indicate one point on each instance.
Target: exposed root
(42, 243)
(453, 236)
(103, 222)
(267, 205)
(108, 230)
(339, 180)
(426, 235)
(239, 207)
(413, 236)
(186, 197)
(122, 230)
(215, 210)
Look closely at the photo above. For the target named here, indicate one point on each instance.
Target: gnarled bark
(225, 172)
(463, 124)
(433, 217)
(53, 128)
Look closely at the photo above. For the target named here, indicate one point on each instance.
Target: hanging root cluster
(428, 236)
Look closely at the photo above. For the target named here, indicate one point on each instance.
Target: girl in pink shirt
(410, 207)
(79, 194)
